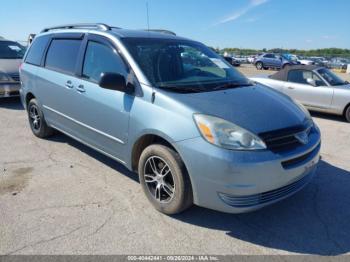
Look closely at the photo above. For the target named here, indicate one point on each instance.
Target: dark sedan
(232, 60)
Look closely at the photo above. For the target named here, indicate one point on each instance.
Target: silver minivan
(194, 129)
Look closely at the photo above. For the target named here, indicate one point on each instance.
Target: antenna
(147, 16)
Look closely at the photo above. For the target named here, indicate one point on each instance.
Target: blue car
(194, 129)
(269, 60)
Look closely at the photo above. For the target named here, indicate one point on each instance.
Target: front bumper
(242, 181)
(9, 89)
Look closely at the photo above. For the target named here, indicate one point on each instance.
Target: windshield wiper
(183, 89)
(231, 85)
(198, 89)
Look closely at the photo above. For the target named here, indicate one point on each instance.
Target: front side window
(62, 55)
(11, 50)
(99, 59)
(183, 66)
(301, 77)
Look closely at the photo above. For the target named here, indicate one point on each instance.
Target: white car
(302, 60)
(317, 88)
(251, 59)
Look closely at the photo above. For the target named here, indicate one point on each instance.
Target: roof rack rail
(164, 31)
(99, 26)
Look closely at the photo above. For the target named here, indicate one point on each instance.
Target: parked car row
(287, 59)
(333, 63)
(338, 63)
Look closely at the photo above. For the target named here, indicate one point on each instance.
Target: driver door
(318, 97)
(103, 114)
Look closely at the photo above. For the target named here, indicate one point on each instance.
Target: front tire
(259, 65)
(37, 121)
(164, 179)
(347, 114)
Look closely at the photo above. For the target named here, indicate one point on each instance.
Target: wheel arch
(346, 108)
(144, 141)
(150, 139)
(29, 96)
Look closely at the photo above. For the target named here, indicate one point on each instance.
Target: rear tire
(347, 114)
(259, 65)
(164, 179)
(37, 121)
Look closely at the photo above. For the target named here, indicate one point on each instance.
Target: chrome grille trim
(284, 140)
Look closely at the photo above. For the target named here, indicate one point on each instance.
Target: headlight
(225, 134)
(4, 77)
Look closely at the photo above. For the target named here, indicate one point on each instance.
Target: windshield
(330, 77)
(11, 50)
(183, 65)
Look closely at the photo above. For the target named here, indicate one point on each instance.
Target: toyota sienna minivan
(194, 129)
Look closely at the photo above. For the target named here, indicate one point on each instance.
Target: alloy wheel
(34, 116)
(159, 179)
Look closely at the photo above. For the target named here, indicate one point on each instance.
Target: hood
(10, 66)
(255, 108)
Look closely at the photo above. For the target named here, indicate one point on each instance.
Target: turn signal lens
(206, 132)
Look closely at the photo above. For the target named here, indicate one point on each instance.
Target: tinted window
(100, 58)
(228, 59)
(36, 50)
(301, 76)
(269, 56)
(62, 55)
(11, 50)
(183, 66)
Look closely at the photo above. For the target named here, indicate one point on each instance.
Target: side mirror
(311, 82)
(114, 81)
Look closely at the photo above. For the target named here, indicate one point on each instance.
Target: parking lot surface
(57, 196)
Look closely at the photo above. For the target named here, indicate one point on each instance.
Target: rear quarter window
(36, 50)
(62, 55)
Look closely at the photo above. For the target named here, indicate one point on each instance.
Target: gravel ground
(59, 197)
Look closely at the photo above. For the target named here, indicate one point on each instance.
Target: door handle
(80, 88)
(290, 87)
(69, 84)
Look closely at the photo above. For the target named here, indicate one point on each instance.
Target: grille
(15, 77)
(301, 159)
(266, 197)
(284, 139)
